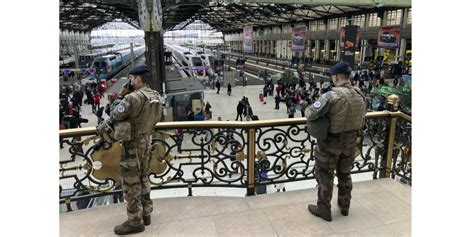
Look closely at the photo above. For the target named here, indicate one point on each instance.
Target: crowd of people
(71, 101)
(297, 97)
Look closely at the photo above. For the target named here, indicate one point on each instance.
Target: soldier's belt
(344, 134)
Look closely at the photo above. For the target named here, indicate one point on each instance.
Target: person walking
(89, 97)
(361, 83)
(278, 89)
(345, 108)
(229, 89)
(240, 110)
(96, 102)
(291, 110)
(277, 101)
(218, 86)
(207, 110)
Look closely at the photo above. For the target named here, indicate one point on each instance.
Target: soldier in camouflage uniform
(133, 116)
(345, 107)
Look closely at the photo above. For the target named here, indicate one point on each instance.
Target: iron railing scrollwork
(402, 163)
(227, 154)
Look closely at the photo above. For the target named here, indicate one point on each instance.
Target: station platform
(279, 61)
(378, 208)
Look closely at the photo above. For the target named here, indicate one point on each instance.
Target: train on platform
(87, 57)
(190, 59)
(108, 65)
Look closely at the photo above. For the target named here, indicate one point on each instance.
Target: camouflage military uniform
(136, 109)
(346, 110)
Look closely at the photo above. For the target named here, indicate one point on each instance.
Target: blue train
(108, 65)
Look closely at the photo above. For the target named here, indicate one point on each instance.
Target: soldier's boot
(318, 211)
(127, 228)
(147, 220)
(344, 211)
(344, 208)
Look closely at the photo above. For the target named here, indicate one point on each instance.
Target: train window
(100, 65)
(196, 61)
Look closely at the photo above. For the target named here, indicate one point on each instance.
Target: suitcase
(254, 118)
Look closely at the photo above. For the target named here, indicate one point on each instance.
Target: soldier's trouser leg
(324, 173)
(143, 150)
(131, 182)
(325, 179)
(146, 200)
(343, 173)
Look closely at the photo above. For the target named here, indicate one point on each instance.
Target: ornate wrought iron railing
(228, 154)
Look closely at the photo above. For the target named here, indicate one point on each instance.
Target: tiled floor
(379, 208)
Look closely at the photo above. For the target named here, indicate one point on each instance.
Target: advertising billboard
(343, 43)
(349, 43)
(388, 37)
(298, 37)
(247, 41)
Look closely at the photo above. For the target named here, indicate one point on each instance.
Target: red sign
(388, 37)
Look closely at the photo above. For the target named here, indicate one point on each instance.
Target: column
(403, 18)
(76, 54)
(268, 47)
(363, 50)
(289, 54)
(272, 48)
(283, 49)
(380, 52)
(326, 49)
(318, 50)
(257, 52)
(366, 21)
(259, 47)
(308, 49)
(403, 48)
(150, 16)
(265, 47)
(338, 51)
(154, 59)
(369, 52)
(383, 21)
(132, 54)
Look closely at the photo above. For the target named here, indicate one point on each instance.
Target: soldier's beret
(139, 70)
(341, 67)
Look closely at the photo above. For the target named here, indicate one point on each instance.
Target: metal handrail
(227, 124)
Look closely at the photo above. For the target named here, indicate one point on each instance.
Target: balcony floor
(378, 208)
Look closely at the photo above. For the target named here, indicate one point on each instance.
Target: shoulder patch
(317, 104)
(120, 108)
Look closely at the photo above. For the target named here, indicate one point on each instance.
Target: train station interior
(233, 152)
